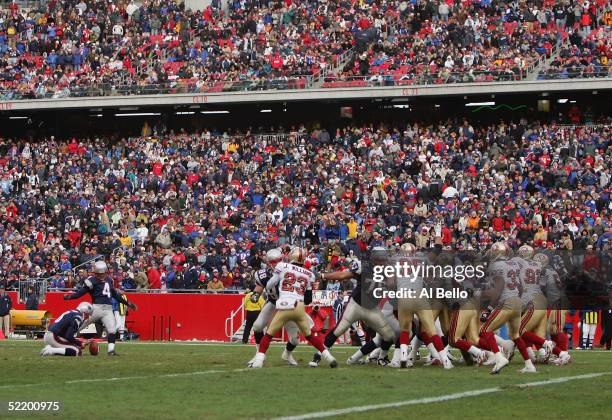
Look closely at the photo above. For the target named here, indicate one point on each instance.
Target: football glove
(255, 297)
(132, 306)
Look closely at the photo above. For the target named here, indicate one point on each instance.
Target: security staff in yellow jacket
(120, 311)
(252, 312)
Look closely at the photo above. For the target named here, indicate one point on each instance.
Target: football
(94, 348)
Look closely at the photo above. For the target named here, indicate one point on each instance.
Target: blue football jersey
(67, 325)
(101, 291)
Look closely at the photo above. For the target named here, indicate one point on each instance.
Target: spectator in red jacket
(154, 278)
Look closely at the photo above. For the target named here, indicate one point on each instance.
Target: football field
(197, 380)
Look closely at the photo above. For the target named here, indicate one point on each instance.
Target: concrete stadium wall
(310, 94)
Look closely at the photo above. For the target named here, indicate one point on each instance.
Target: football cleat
(563, 359)
(329, 359)
(406, 364)
(258, 361)
(395, 364)
(432, 362)
(500, 363)
(508, 348)
(403, 356)
(529, 367)
(489, 358)
(46, 351)
(112, 353)
(481, 359)
(543, 356)
(532, 355)
(288, 357)
(316, 359)
(384, 361)
(351, 361)
(373, 357)
(447, 364)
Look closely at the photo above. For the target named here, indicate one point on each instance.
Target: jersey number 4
(293, 284)
(106, 290)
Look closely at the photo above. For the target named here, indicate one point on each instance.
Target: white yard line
(441, 398)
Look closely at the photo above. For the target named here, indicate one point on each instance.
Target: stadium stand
(174, 211)
(70, 48)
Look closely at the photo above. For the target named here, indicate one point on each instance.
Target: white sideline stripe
(441, 398)
(126, 378)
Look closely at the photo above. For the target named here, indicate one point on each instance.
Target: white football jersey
(293, 281)
(553, 286)
(415, 279)
(509, 271)
(529, 276)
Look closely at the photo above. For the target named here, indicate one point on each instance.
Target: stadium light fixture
(138, 114)
(214, 112)
(185, 113)
(572, 102)
(562, 101)
(96, 115)
(490, 103)
(266, 110)
(401, 106)
(437, 105)
(18, 118)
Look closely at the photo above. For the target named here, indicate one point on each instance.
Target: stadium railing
(230, 330)
(182, 86)
(73, 270)
(548, 75)
(300, 84)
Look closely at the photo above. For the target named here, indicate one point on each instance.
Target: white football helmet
(85, 308)
(273, 257)
(526, 252)
(499, 251)
(408, 247)
(542, 259)
(100, 267)
(297, 255)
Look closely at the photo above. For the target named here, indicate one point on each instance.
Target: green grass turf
(222, 388)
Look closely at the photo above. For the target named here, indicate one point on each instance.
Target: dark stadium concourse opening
(115, 123)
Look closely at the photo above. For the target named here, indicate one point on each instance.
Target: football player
(464, 319)
(505, 290)
(100, 287)
(61, 337)
(372, 348)
(294, 291)
(553, 287)
(534, 320)
(421, 307)
(338, 307)
(273, 257)
(359, 308)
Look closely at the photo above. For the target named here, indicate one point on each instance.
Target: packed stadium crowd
(71, 47)
(584, 56)
(176, 210)
(80, 47)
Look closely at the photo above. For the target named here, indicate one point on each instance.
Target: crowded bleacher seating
(176, 210)
(477, 41)
(87, 48)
